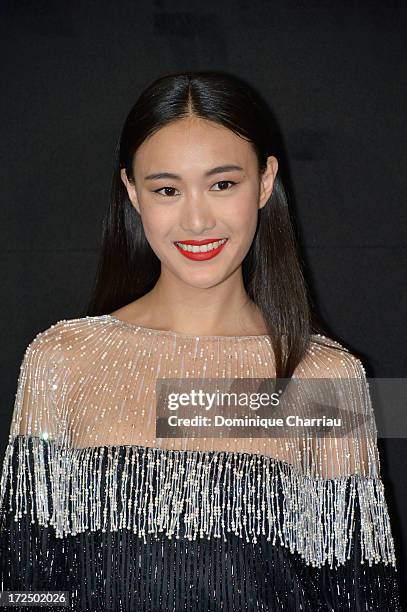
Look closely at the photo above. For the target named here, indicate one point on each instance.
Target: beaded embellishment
(85, 394)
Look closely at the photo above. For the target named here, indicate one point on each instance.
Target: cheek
(154, 224)
(244, 215)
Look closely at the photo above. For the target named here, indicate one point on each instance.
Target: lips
(204, 255)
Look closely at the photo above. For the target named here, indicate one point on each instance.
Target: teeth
(201, 249)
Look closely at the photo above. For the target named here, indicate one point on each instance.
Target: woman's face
(200, 201)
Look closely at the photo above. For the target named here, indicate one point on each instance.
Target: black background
(334, 74)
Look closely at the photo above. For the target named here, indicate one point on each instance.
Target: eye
(167, 188)
(224, 183)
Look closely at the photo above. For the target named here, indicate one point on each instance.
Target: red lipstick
(204, 255)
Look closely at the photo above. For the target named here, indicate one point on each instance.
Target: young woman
(199, 279)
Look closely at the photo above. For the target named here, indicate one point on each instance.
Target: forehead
(190, 142)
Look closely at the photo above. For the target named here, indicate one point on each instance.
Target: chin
(202, 283)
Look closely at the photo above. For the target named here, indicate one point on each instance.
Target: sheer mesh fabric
(91, 382)
(83, 459)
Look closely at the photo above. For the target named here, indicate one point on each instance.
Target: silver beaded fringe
(196, 494)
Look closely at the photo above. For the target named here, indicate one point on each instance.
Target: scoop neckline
(165, 332)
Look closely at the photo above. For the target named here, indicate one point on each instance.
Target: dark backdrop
(334, 74)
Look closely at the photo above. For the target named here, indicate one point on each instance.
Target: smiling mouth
(205, 250)
(200, 246)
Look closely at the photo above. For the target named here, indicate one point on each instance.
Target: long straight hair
(128, 267)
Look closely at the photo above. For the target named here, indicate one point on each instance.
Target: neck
(224, 309)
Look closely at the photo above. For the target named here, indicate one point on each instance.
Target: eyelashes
(232, 183)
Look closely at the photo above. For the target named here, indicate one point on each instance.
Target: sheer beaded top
(90, 382)
(83, 452)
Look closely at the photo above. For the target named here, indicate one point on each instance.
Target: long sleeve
(353, 498)
(29, 551)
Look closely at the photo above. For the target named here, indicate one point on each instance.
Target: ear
(267, 180)
(131, 190)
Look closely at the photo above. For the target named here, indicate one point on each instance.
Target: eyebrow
(217, 170)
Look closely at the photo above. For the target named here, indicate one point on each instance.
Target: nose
(196, 216)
